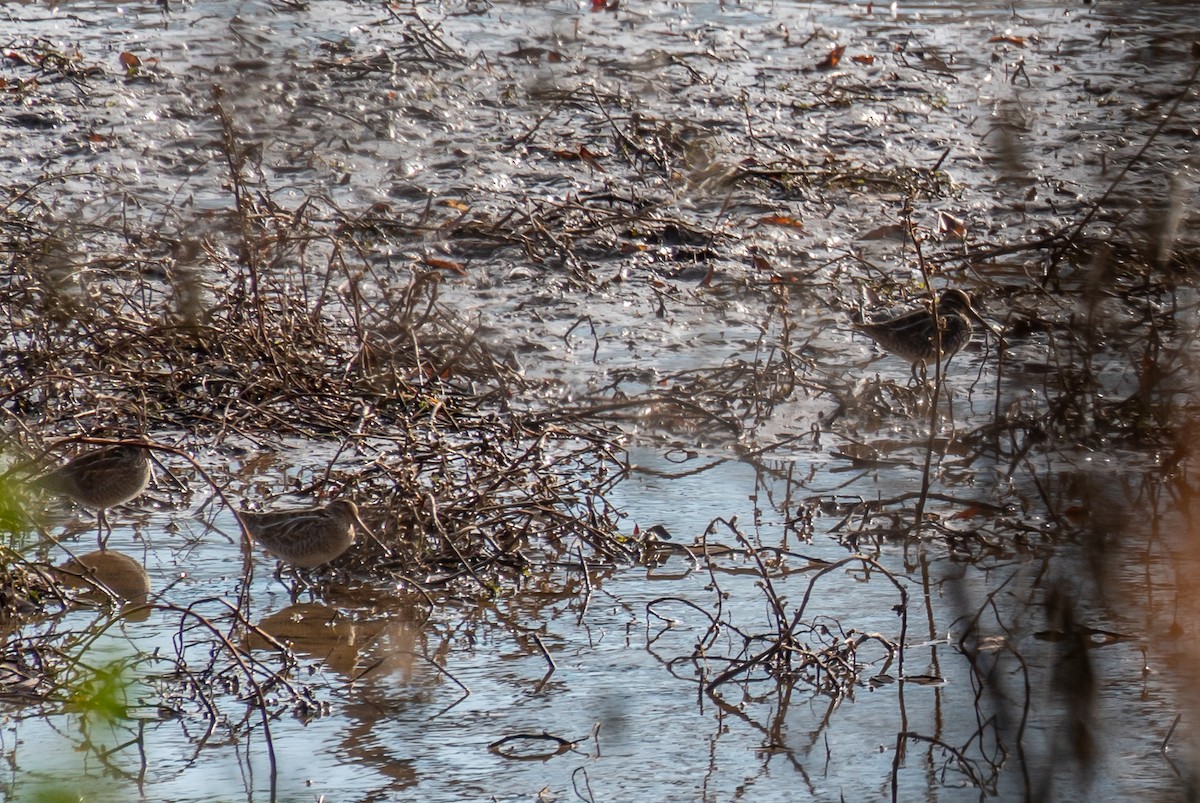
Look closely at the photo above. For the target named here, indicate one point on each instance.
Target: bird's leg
(103, 530)
(298, 582)
(279, 573)
(918, 378)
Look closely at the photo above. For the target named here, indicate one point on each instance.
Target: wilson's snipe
(306, 537)
(102, 479)
(920, 338)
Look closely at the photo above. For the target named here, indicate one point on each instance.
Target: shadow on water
(569, 302)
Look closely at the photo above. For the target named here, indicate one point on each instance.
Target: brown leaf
(535, 54)
(864, 59)
(1019, 41)
(969, 512)
(951, 226)
(925, 680)
(1076, 513)
(888, 231)
(760, 262)
(129, 61)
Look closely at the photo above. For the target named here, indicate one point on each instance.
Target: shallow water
(1030, 128)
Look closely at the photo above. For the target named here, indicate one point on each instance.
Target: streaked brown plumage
(305, 537)
(102, 479)
(914, 336)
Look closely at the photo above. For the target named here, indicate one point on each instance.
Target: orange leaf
(453, 204)
(782, 220)
(446, 264)
(1019, 41)
(969, 512)
(129, 61)
(864, 59)
(831, 61)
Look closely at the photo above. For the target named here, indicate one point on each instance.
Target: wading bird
(102, 479)
(306, 537)
(919, 337)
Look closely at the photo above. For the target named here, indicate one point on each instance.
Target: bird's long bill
(371, 534)
(986, 325)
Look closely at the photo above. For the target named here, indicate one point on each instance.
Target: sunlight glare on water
(715, 90)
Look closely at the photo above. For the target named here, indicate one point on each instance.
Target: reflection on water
(110, 572)
(363, 648)
(1031, 109)
(314, 631)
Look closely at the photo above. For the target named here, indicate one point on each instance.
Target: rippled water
(1069, 89)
